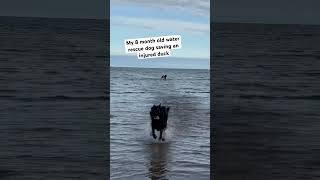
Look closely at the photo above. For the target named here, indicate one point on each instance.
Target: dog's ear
(160, 104)
(168, 108)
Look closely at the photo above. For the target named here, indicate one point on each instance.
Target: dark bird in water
(164, 77)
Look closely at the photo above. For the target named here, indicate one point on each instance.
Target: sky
(145, 18)
(257, 11)
(189, 18)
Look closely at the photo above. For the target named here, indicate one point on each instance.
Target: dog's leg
(160, 138)
(154, 134)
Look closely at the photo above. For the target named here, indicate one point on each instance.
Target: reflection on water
(158, 160)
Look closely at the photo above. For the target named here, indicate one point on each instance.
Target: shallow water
(186, 152)
(266, 95)
(53, 98)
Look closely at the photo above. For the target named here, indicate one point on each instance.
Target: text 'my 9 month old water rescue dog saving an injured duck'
(159, 118)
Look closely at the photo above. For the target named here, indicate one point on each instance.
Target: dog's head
(157, 112)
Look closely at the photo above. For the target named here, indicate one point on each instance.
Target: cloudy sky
(259, 11)
(145, 18)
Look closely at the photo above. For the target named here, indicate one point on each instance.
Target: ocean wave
(57, 98)
(260, 85)
(311, 97)
(44, 129)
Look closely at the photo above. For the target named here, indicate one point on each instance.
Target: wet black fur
(159, 124)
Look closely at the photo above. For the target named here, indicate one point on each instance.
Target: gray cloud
(161, 24)
(196, 7)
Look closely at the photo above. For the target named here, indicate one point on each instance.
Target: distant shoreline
(177, 58)
(70, 18)
(256, 23)
(212, 22)
(160, 63)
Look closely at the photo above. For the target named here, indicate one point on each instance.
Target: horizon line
(46, 17)
(211, 22)
(264, 23)
(200, 58)
(157, 68)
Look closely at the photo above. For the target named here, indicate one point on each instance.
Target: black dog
(159, 118)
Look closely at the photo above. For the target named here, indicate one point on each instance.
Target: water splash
(168, 134)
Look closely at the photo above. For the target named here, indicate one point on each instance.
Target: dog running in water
(159, 118)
